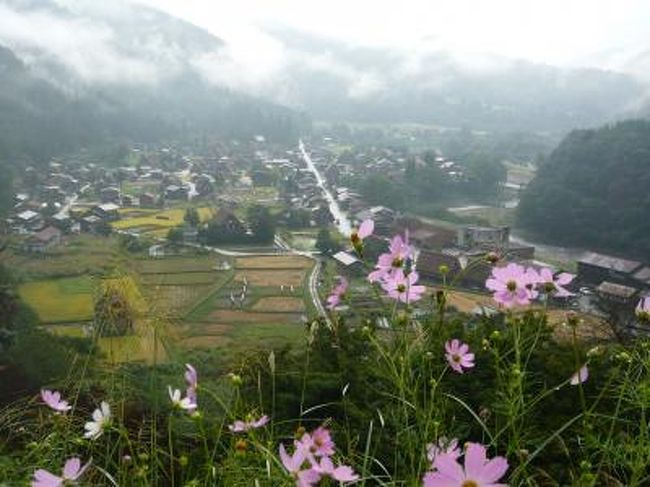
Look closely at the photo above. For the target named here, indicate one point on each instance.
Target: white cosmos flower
(101, 420)
(186, 403)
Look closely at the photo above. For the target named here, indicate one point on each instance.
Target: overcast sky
(560, 32)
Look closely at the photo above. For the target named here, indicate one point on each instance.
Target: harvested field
(181, 279)
(177, 297)
(238, 316)
(273, 262)
(280, 303)
(286, 277)
(466, 302)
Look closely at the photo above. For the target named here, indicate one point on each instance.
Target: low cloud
(86, 47)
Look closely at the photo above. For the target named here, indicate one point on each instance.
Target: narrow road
(340, 217)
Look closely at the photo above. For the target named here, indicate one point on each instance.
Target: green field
(173, 265)
(190, 295)
(82, 254)
(60, 300)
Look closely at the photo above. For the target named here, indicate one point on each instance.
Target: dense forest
(593, 191)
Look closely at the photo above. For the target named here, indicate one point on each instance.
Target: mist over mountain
(77, 72)
(335, 81)
(85, 74)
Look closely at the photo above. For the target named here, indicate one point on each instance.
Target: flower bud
(183, 461)
(235, 379)
(443, 269)
(241, 446)
(492, 257)
(484, 413)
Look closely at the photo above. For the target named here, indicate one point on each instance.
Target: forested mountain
(593, 190)
(338, 82)
(132, 80)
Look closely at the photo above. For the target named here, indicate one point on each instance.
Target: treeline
(425, 188)
(593, 191)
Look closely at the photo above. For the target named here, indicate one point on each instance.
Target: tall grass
(384, 394)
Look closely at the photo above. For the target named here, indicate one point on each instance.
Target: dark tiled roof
(611, 263)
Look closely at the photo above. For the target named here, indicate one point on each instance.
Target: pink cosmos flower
(511, 285)
(53, 400)
(334, 299)
(399, 252)
(443, 447)
(241, 426)
(478, 471)
(293, 465)
(187, 403)
(191, 377)
(402, 287)
(72, 471)
(579, 376)
(643, 309)
(326, 468)
(365, 230)
(319, 443)
(458, 355)
(553, 285)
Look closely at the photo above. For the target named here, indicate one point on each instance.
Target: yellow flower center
(401, 288)
(511, 286)
(455, 357)
(469, 483)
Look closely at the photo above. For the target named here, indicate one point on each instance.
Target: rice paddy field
(148, 220)
(268, 310)
(60, 300)
(81, 254)
(192, 293)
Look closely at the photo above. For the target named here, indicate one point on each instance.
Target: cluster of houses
(75, 196)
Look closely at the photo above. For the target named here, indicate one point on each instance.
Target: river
(340, 217)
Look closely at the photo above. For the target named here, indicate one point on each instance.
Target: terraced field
(258, 304)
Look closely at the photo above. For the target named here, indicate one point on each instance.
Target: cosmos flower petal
(580, 376)
(366, 228)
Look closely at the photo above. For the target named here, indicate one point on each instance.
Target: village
(207, 254)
